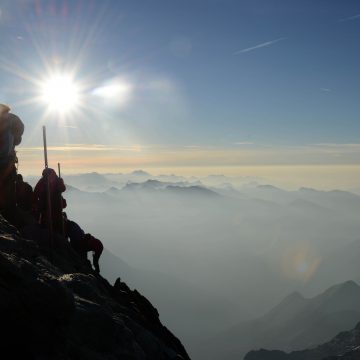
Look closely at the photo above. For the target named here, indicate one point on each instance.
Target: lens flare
(116, 92)
(60, 93)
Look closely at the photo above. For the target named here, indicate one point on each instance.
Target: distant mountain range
(240, 187)
(295, 323)
(249, 245)
(344, 346)
(164, 188)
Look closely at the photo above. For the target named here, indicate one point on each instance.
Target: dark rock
(266, 354)
(344, 346)
(53, 306)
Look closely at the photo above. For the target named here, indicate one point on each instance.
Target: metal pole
(61, 205)
(49, 215)
(45, 147)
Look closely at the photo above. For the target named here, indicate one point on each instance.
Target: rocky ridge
(53, 306)
(344, 346)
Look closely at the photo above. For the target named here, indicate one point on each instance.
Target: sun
(60, 93)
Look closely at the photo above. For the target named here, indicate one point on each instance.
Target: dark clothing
(7, 192)
(83, 243)
(24, 195)
(96, 246)
(93, 244)
(11, 131)
(76, 235)
(40, 205)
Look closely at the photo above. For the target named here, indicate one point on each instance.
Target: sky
(236, 87)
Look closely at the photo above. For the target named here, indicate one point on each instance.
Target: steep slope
(180, 302)
(60, 309)
(295, 323)
(344, 346)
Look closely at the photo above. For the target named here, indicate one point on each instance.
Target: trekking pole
(49, 215)
(61, 205)
(45, 147)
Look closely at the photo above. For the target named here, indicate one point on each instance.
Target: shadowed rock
(61, 309)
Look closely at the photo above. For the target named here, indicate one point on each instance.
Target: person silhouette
(11, 131)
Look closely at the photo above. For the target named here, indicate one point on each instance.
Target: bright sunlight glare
(118, 92)
(60, 93)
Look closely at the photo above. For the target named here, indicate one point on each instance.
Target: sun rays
(60, 93)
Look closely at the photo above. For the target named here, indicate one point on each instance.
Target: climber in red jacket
(83, 243)
(96, 246)
(40, 201)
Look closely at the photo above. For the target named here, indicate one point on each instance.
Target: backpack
(6, 140)
(76, 235)
(11, 131)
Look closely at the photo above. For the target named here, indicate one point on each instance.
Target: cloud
(346, 153)
(325, 89)
(316, 165)
(338, 145)
(354, 17)
(244, 143)
(69, 126)
(259, 46)
(78, 148)
(323, 165)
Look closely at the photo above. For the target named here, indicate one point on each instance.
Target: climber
(83, 243)
(96, 246)
(40, 201)
(74, 232)
(24, 194)
(11, 131)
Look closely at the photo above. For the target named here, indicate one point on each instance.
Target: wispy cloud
(354, 17)
(84, 147)
(244, 143)
(325, 89)
(69, 126)
(338, 145)
(259, 46)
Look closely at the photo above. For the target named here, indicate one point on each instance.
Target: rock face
(53, 306)
(344, 346)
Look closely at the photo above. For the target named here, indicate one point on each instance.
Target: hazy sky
(186, 83)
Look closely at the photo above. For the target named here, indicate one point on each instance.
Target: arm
(61, 185)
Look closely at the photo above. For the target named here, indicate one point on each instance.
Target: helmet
(4, 109)
(48, 172)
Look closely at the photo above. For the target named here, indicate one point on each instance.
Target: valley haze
(190, 243)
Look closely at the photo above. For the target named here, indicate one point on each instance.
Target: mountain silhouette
(140, 173)
(295, 323)
(180, 188)
(344, 346)
(53, 306)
